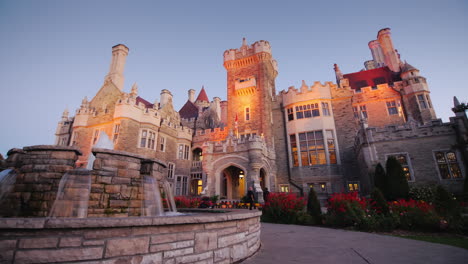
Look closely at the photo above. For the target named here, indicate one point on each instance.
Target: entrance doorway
(262, 179)
(232, 183)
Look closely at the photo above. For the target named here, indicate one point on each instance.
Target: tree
(396, 183)
(380, 205)
(313, 207)
(380, 178)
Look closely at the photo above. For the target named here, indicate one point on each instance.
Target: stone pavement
(304, 244)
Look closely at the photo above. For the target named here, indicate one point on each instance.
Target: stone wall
(38, 173)
(196, 238)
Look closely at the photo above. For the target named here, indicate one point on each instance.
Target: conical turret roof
(202, 96)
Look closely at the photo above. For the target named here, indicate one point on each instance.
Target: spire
(134, 91)
(202, 95)
(304, 85)
(244, 42)
(116, 70)
(65, 114)
(455, 101)
(338, 73)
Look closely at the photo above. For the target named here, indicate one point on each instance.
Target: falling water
(169, 197)
(7, 180)
(152, 204)
(103, 142)
(73, 195)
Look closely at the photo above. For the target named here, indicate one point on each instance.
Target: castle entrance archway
(232, 183)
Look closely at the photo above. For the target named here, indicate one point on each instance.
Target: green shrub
(415, 215)
(380, 178)
(313, 207)
(379, 204)
(283, 208)
(345, 210)
(396, 183)
(422, 193)
(448, 207)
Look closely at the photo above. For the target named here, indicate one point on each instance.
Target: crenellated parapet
(317, 91)
(216, 134)
(127, 107)
(233, 144)
(249, 55)
(409, 130)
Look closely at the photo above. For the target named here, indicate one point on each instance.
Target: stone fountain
(54, 212)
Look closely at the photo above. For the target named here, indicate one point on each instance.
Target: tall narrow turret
(377, 55)
(391, 57)
(116, 70)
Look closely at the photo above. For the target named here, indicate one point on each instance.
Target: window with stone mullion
(312, 148)
(448, 165)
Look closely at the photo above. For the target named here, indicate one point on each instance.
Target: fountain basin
(200, 237)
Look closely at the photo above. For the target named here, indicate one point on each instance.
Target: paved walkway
(304, 244)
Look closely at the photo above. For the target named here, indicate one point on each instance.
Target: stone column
(255, 180)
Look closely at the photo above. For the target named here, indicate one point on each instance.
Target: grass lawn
(451, 240)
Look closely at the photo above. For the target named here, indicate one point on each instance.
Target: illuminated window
(325, 109)
(170, 170)
(290, 114)
(312, 148)
(320, 187)
(353, 186)
(331, 146)
(405, 162)
(292, 139)
(162, 143)
(447, 164)
(392, 108)
(309, 148)
(147, 139)
(247, 113)
(116, 133)
(307, 111)
(284, 188)
(422, 101)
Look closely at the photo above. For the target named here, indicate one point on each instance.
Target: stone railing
(200, 237)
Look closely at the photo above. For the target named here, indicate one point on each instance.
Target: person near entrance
(266, 193)
(250, 198)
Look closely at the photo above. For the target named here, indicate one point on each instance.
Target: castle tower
(417, 98)
(251, 73)
(390, 55)
(116, 70)
(377, 55)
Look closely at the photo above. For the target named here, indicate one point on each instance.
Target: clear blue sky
(53, 53)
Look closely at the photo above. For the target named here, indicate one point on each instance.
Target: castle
(325, 136)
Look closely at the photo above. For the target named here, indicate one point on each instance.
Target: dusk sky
(54, 53)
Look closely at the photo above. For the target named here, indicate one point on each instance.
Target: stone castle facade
(325, 136)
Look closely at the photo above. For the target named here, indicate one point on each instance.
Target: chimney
(191, 95)
(377, 54)
(217, 105)
(166, 97)
(391, 57)
(116, 70)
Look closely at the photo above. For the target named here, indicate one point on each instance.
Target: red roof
(189, 110)
(202, 96)
(372, 77)
(146, 103)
